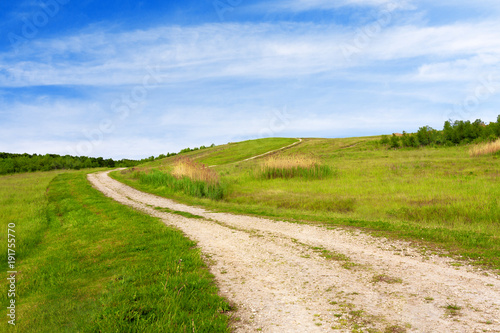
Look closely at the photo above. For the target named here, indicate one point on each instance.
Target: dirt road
(287, 277)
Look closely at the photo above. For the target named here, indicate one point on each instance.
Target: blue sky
(131, 79)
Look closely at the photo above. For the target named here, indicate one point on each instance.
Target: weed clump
(292, 166)
(453, 309)
(192, 178)
(386, 279)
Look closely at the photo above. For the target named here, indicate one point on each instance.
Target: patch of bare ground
(286, 277)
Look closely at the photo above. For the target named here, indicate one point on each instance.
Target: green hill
(436, 195)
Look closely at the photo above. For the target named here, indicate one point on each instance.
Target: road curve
(287, 277)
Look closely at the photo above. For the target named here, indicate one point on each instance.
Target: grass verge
(94, 265)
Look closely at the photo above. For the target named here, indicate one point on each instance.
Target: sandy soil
(286, 277)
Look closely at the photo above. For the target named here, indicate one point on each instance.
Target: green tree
(384, 140)
(497, 127)
(448, 132)
(424, 135)
(394, 141)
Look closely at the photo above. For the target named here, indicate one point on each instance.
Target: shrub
(394, 141)
(385, 140)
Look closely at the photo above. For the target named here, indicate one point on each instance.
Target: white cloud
(222, 82)
(306, 5)
(215, 51)
(469, 69)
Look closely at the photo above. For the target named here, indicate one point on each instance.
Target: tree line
(453, 133)
(16, 163)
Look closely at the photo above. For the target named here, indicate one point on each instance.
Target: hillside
(439, 196)
(381, 240)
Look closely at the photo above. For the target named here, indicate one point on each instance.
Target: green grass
(314, 172)
(437, 196)
(178, 212)
(196, 188)
(453, 309)
(89, 264)
(23, 198)
(232, 152)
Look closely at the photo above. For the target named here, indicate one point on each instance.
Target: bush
(385, 140)
(394, 141)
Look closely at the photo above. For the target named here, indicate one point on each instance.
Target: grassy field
(441, 197)
(232, 152)
(88, 264)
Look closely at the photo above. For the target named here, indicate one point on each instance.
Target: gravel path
(286, 277)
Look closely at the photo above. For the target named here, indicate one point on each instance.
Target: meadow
(440, 197)
(86, 263)
(231, 152)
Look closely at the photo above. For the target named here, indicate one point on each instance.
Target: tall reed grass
(292, 166)
(186, 167)
(189, 177)
(485, 149)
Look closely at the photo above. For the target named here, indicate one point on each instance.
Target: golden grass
(485, 149)
(290, 162)
(186, 167)
(304, 166)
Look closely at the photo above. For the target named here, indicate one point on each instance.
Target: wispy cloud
(171, 86)
(465, 69)
(237, 51)
(307, 5)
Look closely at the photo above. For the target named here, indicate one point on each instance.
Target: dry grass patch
(186, 167)
(485, 149)
(192, 178)
(291, 161)
(291, 166)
